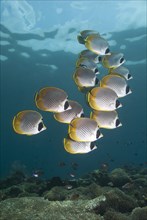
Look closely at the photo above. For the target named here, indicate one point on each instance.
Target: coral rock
(40, 209)
(139, 214)
(119, 177)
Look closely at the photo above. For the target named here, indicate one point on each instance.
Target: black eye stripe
(100, 59)
(92, 145)
(117, 122)
(96, 70)
(127, 89)
(96, 81)
(98, 133)
(121, 60)
(66, 105)
(117, 103)
(107, 51)
(40, 126)
(82, 115)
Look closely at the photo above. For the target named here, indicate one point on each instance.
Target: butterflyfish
(67, 116)
(84, 130)
(113, 60)
(28, 122)
(52, 99)
(117, 83)
(85, 77)
(103, 99)
(75, 147)
(106, 119)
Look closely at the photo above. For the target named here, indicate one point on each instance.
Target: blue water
(22, 77)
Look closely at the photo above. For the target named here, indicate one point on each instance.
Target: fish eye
(117, 103)
(107, 51)
(127, 89)
(96, 81)
(82, 115)
(82, 65)
(96, 70)
(92, 145)
(121, 60)
(40, 126)
(129, 76)
(117, 123)
(66, 105)
(98, 133)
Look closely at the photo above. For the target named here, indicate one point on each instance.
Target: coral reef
(117, 195)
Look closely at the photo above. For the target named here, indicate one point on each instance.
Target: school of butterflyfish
(102, 97)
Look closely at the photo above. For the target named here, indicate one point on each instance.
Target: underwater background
(39, 48)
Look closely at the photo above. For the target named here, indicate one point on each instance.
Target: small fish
(121, 71)
(28, 122)
(74, 165)
(67, 116)
(89, 55)
(84, 34)
(72, 175)
(62, 164)
(87, 63)
(52, 99)
(104, 167)
(128, 185)
(110, 184)
(68, 187)
(37, 173)
(106, 119)
(85, 78)
(112, 160)
(117, 84)
(84, 130)
(113, 60)
(97, 44)
(75, 147)
(103, 99)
